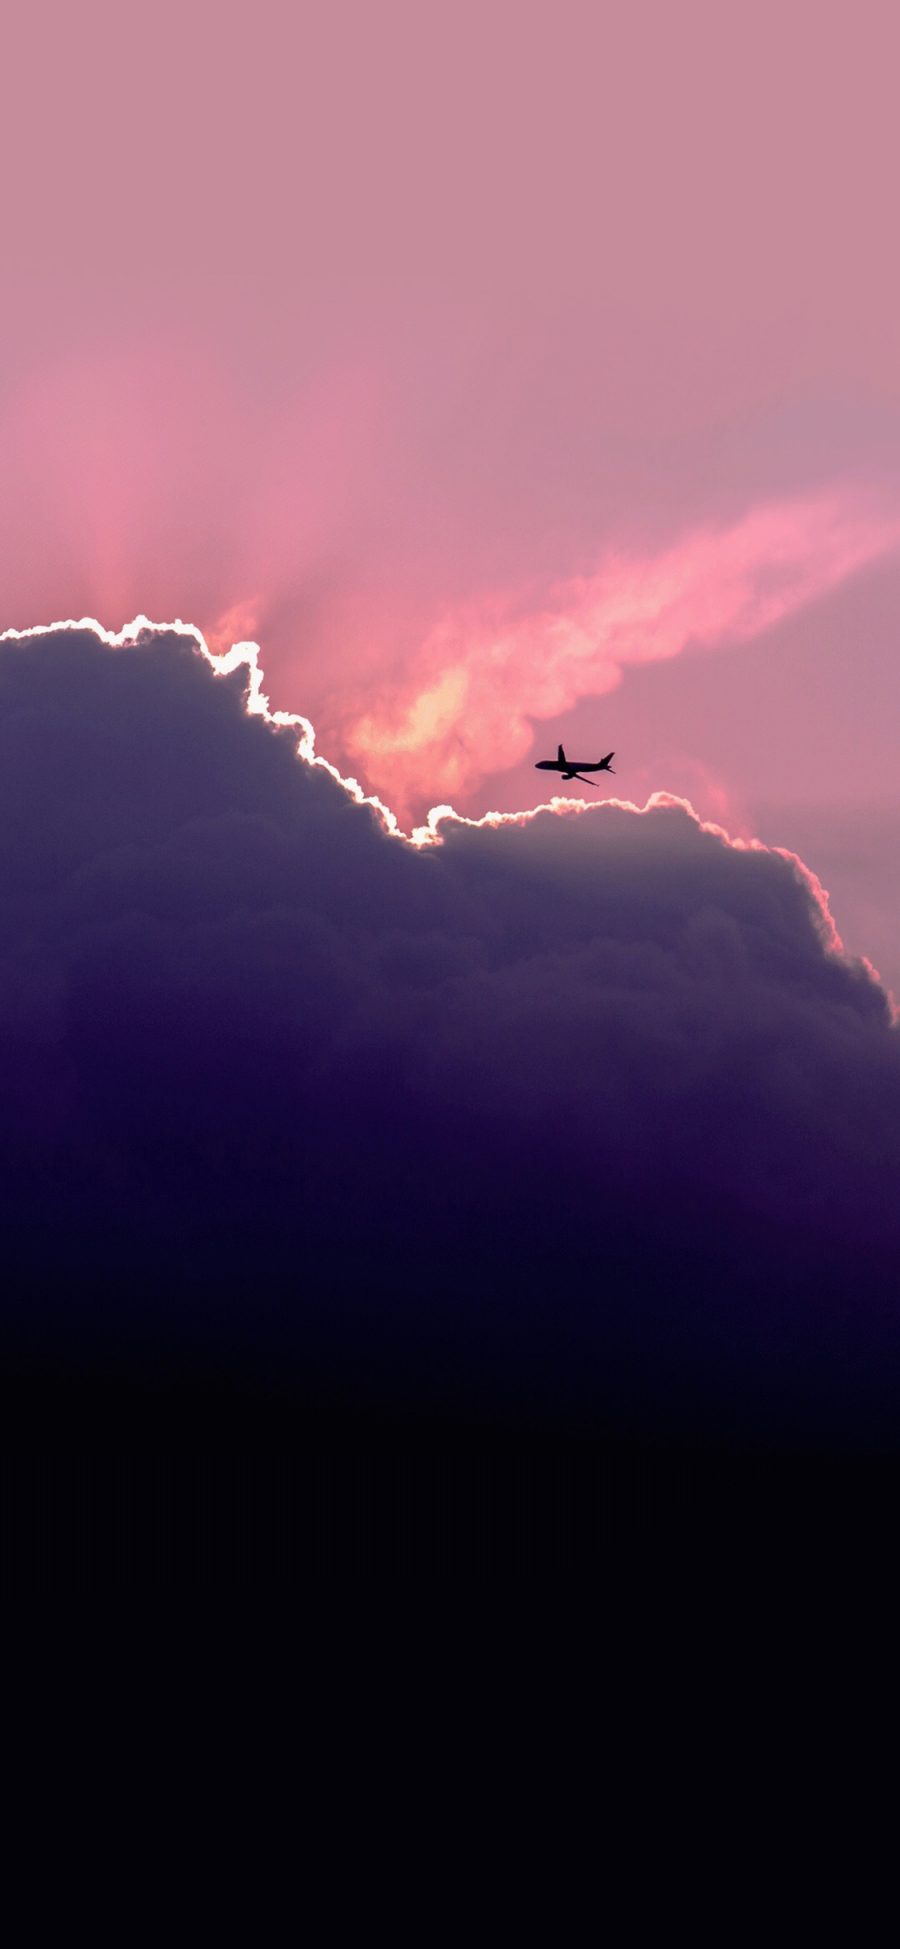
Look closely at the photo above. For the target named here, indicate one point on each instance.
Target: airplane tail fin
(605, 762)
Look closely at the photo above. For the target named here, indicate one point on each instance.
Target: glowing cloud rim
(247, 655)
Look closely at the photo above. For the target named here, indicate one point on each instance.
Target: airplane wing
(586, 781)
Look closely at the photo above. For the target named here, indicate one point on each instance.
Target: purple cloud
(581, 1117)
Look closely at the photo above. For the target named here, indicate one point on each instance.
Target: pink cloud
(464, 709)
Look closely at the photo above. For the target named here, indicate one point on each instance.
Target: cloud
(581, 1113)
(465, 709)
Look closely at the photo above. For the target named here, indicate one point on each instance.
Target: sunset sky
(508, 374)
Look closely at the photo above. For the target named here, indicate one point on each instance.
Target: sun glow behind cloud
(245, 657)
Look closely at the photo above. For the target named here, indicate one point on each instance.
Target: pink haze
(508, 372)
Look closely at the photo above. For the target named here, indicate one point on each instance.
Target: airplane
(569, 769)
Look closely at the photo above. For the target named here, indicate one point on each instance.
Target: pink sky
(509, 372)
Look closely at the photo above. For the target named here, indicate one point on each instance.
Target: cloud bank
(581, 1115)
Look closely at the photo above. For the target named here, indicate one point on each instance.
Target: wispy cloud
(465, 708)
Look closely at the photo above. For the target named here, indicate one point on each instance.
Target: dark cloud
(578, 1117)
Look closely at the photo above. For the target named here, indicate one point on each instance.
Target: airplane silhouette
(569, 768)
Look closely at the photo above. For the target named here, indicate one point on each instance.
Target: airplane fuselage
(569, 769)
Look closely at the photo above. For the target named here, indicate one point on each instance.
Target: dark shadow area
(118, 1479)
